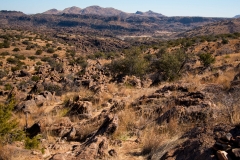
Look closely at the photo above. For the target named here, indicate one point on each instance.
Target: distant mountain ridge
(237, 16)
(150, 14)
(97, 10)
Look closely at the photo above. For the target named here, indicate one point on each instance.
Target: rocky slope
(104, 25)
(223, 27)
(97, 10)
(77, 107)
(150, 14)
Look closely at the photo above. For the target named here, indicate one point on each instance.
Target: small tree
(206, 59)
(170, 64)
(8, 126)
(50, 50)
(38, 52)
(16, 49)
(132, 64)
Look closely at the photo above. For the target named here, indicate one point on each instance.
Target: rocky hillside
(237, 16)
(227, 26)
(149, 14)
(97, 10)
(93, 10)
(175, 99)
(99, 25)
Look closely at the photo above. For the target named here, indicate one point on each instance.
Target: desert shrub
(19, 56)
(39, 63)
(38, 52)
(53, 88)
(8, 86)
(35, 78)
(71, 53)
(55, 55)
(32, 57)
(12, 60)
(161, 52)
(150, 57)
(26, 42)
(28, 47)
(6, 44)
(8, 126)
(50, 50)
(206, 59)
(5, 54)
(237, 34)
(224, 41)
(98, 55)
(16, 49)
(58, 66)
(170, 64)
(110, 55)
(17, 67)
(59, 48)
(48, 45)
(3, 73)
(81, 61)
(32, 143)
(45, 59)
(132, 64)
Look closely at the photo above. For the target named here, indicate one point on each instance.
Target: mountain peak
(149, 13)
(52, 11)
(237, 16)
(72, 10)
(97, 10)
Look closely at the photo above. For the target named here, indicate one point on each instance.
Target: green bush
(35, 78)
(32, 143)
(132, 64)
(3, 73)
(5, 54)
(206, 59)
(28, 47)
(81, 61)
(32, 57)
(16, 68)
(50, 50)
(53, 88)
(8, 126)
(8, 86)
(45, 59)
(26, 42)
(170, 64)
(38, 52)
(224, 41)
(19, 56)
(39, 63)
(55, 55)
(12, 60)
(16, 49)
(6, 44)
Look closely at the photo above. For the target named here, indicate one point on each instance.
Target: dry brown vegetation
(154, 120)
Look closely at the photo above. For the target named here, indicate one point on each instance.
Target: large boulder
(96, 147)
(79, 108)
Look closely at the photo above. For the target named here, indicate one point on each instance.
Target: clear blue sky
(206, 8)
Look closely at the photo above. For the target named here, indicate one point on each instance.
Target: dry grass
(4, 154)
(225, 79)
(127, 124)
(236, 115)
(154, 136)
